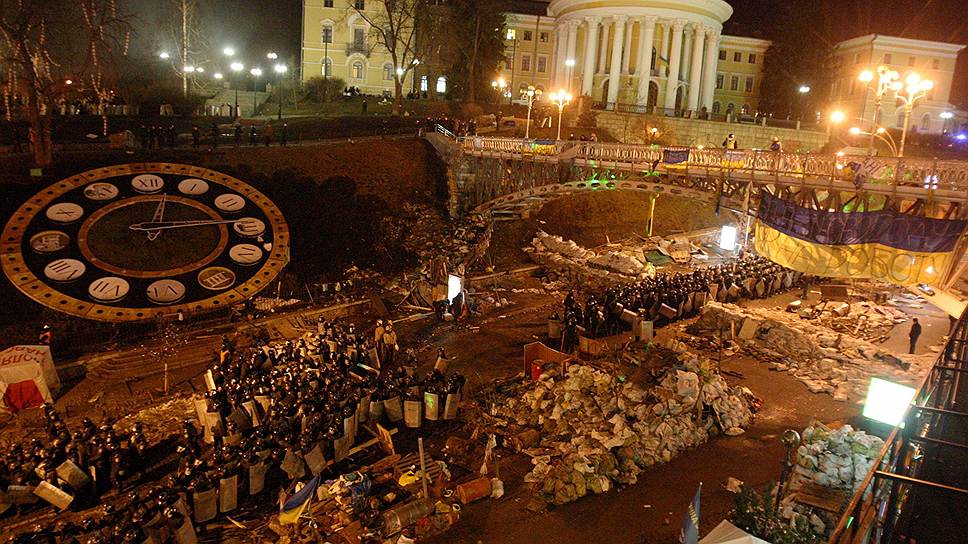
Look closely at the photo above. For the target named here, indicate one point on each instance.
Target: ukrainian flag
(689, 533)
(884, 245)
(296, 504)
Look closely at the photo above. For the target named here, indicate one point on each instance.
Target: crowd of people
(669, 297)
(271, 414)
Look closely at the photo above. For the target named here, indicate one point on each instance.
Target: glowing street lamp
(917, 89)
(188, 69)
(560, 99)
(272, 56)
(836, 117)
(531, 94)
(804, 89)
(256, 74)
(164, 55)
(279, 69)
(881, 134)
(237, 68)
(501, 86)
(887, 79)
(218, 76)
(228, 52)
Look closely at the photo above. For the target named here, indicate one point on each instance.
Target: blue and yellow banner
(674, 159)
(297, 503)
(883, 245)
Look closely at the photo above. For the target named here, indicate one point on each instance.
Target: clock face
(136, 241)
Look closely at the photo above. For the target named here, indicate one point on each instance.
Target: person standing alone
(914, 334)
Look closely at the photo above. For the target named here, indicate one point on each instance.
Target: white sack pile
(597, 431)
(626, 264)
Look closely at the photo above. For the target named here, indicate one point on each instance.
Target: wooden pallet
(413, 460)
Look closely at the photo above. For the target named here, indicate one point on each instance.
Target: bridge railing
(514, 146)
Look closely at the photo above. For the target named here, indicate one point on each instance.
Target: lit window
(720, 79)
(734, 83)
(737, 57)
(752, 58)
(387, 72)
(722, 54)
(543, 37)
(358, 70)
(424, 86)
(527, 35)
(749, 84)
(525, 63)
(327, 34)
(441, 84)
(542, 64)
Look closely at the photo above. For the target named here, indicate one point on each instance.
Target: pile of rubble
(597, 430)
(868, 320)
(824, 360)
(427, 234)
(836, 459)
(623, 263)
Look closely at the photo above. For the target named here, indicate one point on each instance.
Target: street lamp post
(280, 69)
(237, 67)
(560, 99)
(530, 95)
(801, 92)
(511, 35)
(256, 73)
(916, 89)
(886, 78)
(836, 117)
(881, 134)
(499, 85)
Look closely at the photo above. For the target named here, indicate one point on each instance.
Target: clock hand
(165, 225)
(159, 215)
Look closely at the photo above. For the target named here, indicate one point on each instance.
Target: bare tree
(45, 44)
(185, 33)
(396, 24)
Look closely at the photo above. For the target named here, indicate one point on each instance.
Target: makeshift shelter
(536, 355)
(27, 377)
(727, 533)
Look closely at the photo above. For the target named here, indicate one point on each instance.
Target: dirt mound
(591, 219)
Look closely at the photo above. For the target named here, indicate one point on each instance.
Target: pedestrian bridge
(500, 175)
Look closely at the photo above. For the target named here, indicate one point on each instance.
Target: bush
(320, 89)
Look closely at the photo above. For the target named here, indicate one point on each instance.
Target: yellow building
(933, 61)
(586, 45)
(337, 42)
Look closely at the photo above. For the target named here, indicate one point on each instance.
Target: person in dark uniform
(196, 136)
(284, 135)
(914, 334)
(252, 135)
(214, 135)
(238, 135)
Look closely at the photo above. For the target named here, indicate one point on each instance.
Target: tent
(27, 377)
(727, 533)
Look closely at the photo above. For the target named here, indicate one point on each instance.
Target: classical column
(627, 48)
(695, 68)
(709, 78)
(686, 55)
(554, 56)
(666, 40)
(588, 62)
(644, 67)
(675, 57)
(562, 31)
(570, 54)
(603, 48)
(615, 72)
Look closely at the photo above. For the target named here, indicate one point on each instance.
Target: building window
(542, 64)
(926, 122)
(327, 34)
(887, 58)
(749, 84)
(543, 37)
(357, 70)
(327, 3)
(512, 34)
(441, 85)
(734, 83)
(387, 72)
(746, 109)
(935, 64)
(359, 4)
(716, 107)
(752, 58)
(525, 63)
(327, 67)
(359, 38)
(722, 54)
(527, 35)
(424, 85)
(912, 61)
(730, 108)
(720, 79)
(737, 57)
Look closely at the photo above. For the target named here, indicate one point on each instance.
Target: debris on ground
(599, 430)
(824, 360)
(618, 262)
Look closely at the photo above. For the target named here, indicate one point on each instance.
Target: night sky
(255, 27)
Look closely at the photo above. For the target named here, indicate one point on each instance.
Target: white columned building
(639, 53)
